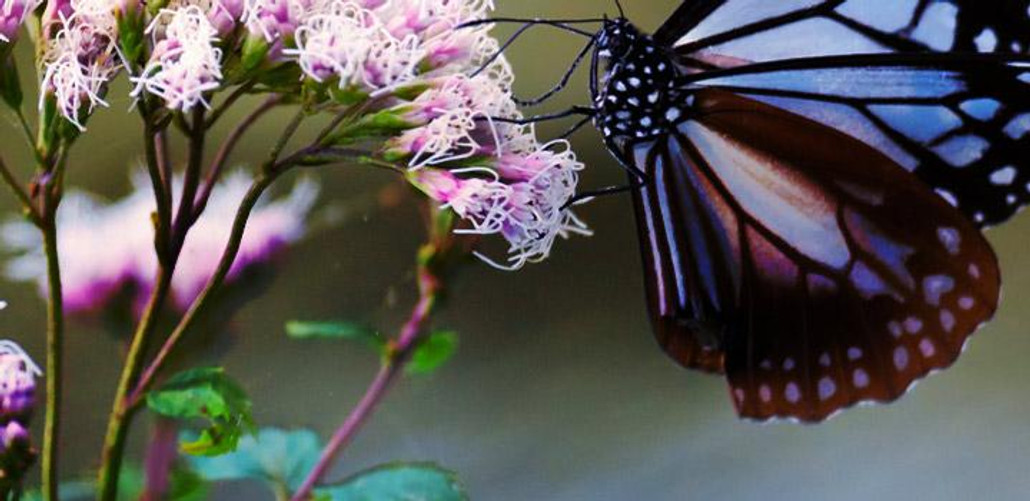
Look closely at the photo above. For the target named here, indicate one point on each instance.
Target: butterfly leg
(637, 179)
(573, 111)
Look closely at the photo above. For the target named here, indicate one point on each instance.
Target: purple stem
(161, 455)
(429, 288)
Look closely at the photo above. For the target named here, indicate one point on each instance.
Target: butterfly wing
(811, 268)
(960, 122)
(759, 30)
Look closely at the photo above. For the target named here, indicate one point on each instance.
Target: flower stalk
(434, 261)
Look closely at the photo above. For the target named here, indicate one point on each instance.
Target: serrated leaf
(280, 457)
(433, 352)
(334, 330)
(209, 394)
(397, 482)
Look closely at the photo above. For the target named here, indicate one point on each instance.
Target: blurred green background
(558, 390)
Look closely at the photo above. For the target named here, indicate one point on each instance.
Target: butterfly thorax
(634, 100)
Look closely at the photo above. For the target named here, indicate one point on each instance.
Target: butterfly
(810, 179)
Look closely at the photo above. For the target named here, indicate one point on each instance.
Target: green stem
(213, 284)
(55, 334)
(23, 196)
(121, 414)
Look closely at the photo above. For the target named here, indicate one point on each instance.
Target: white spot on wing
(927, 348)
(900, 358)
(947, 320)
(1004, 176)
(765, 393)
(792, 392)
(860, 377)
(950, 239)
(936, 286)
(826, 388)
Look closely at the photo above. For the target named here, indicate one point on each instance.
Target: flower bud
(17, 400)
(12, 15)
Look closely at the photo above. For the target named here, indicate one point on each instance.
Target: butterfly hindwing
(822, 272)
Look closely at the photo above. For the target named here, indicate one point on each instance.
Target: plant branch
(117, 428)
(160, 179)
(20, 193)
(184, 217)
(240, 91)
(224, 265)
(431, 264)
(54, 359)
(222, 156)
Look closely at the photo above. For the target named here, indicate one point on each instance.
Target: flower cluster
(446, 92)
(17, 399)
(107, 248)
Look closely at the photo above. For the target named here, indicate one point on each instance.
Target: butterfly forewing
(961, 123)
(815, 269)
(969, 142)
(760, 30)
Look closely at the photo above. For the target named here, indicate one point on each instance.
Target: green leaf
(209, 394)
(397, 482)
(433, 352)
(351, 331)
(10, 85)
(280, 457)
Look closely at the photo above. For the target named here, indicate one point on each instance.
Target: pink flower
(185, 64)
(521, 198)
(17, 383)
(335, 43)
(275, 20)
(12, 15)
(79, 62)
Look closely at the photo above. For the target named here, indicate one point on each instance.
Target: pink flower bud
(12, 15)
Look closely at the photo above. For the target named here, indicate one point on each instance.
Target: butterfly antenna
(618, 4)
(583, 53)
(562, 24)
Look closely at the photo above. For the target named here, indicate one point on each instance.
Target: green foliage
(397, 482)
(209, 394)
(433, 352)
(282, 458)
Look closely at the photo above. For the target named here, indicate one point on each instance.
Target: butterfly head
(616, 38)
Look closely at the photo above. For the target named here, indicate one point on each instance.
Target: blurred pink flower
(106, 247)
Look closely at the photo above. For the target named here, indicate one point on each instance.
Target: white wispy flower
(78, 64)
(185, 63)
(335, 43)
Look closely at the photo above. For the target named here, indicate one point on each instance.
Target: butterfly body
(809, 226)
(638, 99)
